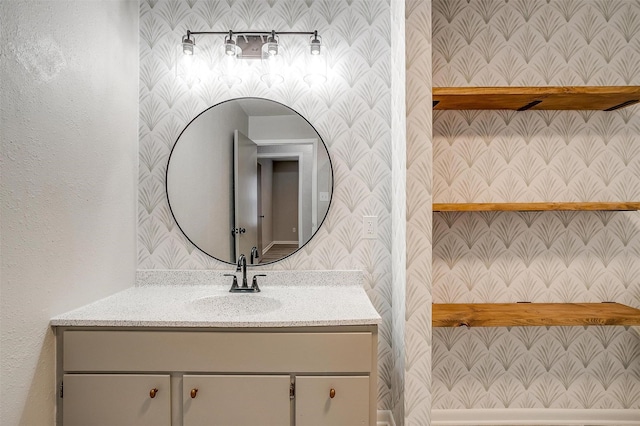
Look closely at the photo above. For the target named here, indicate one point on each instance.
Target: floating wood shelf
(607, 98)
(533, 314)
(535, 207)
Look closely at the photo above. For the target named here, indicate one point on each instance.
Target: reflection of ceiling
(257, 107)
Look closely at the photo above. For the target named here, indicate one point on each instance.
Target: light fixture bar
(253, 41)
(256, 33)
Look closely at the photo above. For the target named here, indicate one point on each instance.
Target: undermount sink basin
(235, 304)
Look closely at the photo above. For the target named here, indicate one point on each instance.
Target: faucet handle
(235, 280)
(254, 281)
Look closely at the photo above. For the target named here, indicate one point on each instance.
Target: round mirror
(249, 176)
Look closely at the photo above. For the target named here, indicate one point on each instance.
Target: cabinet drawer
(116, 399)
(250, 352)
(315, 405)
(236, 400)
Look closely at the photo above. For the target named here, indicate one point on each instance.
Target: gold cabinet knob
(153, 392)
(332, 393)
(194, 392)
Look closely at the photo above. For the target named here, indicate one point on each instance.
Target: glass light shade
(188, 45)
(231, 48)
(316, 69)
(315, 44)
(272, 67)
(272, 48)
(190, 67)
(230, 69)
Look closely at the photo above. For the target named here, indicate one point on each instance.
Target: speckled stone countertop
(202, 299)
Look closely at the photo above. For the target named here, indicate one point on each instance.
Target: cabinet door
(116, 399)
(236, 400)
(332, 400)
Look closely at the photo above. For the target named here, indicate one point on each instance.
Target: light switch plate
(370, 227)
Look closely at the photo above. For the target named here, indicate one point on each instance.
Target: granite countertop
(283, 302)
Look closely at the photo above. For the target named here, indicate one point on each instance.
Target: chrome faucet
(241, 266)
(254, 254)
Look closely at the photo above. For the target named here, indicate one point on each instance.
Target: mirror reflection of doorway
(280, 194)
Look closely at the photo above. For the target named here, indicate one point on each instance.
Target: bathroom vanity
(179, 349)
(197, 355)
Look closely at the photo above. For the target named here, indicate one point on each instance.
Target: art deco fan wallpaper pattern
(417, 301)
(351, 111)
(497, 156)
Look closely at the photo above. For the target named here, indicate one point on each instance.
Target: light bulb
(272, 44)
(315, 45)
(187, 46)
(272, 48)
(316, 69)
(230, 47)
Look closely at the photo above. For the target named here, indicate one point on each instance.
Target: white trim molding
(266, 249)
(535, 416)
(385, 418)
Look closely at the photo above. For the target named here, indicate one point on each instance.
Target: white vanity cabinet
(241, 400)
(332, 400)
(303, 376)
(117, 399)
(236, 400)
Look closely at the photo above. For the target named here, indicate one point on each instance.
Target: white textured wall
(69, 146)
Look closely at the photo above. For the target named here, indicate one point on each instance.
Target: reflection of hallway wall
(285, 200)
(304, 153)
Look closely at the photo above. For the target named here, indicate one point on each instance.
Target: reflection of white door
(245, 187)
(260, 214)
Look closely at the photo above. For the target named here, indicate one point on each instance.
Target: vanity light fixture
(272, 44)
(316, 64)
(188, 44)
(231, 46)
(189, 67)
(315, 43)
(243, 39)
(264, 45)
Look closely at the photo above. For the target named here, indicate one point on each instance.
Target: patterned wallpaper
(417, 301)
(351, 111)
(487, 156)
(399, 208)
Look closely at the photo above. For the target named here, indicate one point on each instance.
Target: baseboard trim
(266, 249)
(385, 418)
(537, 417)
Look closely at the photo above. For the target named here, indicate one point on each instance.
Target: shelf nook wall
(546, 156)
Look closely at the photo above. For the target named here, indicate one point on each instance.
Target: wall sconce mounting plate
(251, 46)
